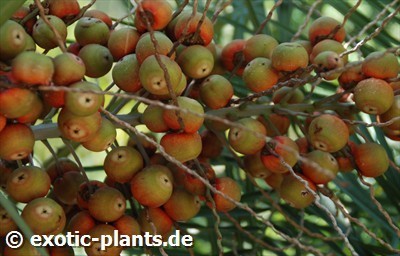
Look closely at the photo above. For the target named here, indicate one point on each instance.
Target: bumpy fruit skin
(158, 12)
(145, 46)
(324, 26)
(68, 68)
(216, 91)
(27, 183)
(289, 57)
(162, 222)
(122, 42)
(32, 68)
(152, 117)
(83, 103)
(196, 61)
(122, 163)
(44, 216)
(182, 146)
(44, 35)
(97, 58)
(232, 56)
(103, 138)
(95, 247)
(259, 75)
(107, 204)
(191, 122)
(373, 96)
(17, 142)
(125, 74)
(186, 26)
(328, 133)
(230, 188)
(12, 40)
(153, 78)
(260, 45)
(295, 193)
(284, 147)
(90, 30)
(78, 128)
(152, 186)
(244, 141)
(182, 205)
(320, 167)
(381, 65)
(371, 159)
(255, 167)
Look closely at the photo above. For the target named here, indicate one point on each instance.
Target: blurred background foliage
(240, 20)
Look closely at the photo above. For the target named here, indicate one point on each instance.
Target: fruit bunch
(190, 114)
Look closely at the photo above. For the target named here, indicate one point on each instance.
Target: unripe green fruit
(125, 74)
(27, 183)
(324, 26)
(196, 61)
(13, 39)
(152, 186)
(68, 68)
(123, 42)
(107, 204)
(289, 57)
(97, 58)
(288, 95)
(152, 117)
(191, 122)
(44, 216)
(30, 44)
(230, 188)
(44, 35)
(32, 68)
(103, 138)
(286, 149)
(259, 75)
(90, 30)
(99, 15)
(178, 90)
(328, 133)
(247, 142)
(182, 146)
(320, 167)
(153, 78)
(17, 142)
(373, 96)
(83, 103)
(78, 128)
(371, 159)
(182, 205)
(381, 65)
(216, 91)
(145, 46)
(122, 163)
(260, 45)
(295, 192)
